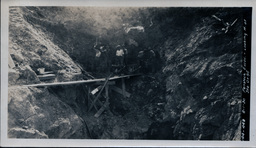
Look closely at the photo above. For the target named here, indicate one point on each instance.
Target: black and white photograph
(129, 73)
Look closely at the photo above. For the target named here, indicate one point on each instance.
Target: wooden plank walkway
(81, 81)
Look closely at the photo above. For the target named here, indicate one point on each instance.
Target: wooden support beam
(84, 97)
(88, 95)
(94, 101)
(119, 90)
(94, 105)
(90, 100)
(101, 110)
(123, 87)
(81, 81)
(107, 93)
(106, 104)
(97, 100)
(102, 83)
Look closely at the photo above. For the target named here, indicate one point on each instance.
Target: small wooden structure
(102, 88)
(46, 77)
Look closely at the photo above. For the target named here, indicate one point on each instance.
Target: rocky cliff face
(34, 112)
(203, 83)
(31, 48)
(194, 94)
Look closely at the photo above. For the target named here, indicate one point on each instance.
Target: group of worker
(145, 60)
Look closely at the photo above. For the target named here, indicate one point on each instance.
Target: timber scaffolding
(93, 95)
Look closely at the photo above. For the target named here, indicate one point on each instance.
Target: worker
(119, 55)
(125, 57)
(97, 50)
(146, 60)
(97, 60)
(105, 62)
(98, 53)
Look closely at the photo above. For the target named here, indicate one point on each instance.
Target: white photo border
(5, 141)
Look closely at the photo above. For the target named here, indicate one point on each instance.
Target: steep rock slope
(31, 48)
(34, 112)
(203, 82)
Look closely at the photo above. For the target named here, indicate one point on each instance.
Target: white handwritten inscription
(246, 82)
(246, 73)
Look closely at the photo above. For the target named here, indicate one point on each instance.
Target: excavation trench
(133, 117)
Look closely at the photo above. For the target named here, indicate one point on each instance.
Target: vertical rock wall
(203, 83)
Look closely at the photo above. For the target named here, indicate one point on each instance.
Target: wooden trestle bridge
(101, 84)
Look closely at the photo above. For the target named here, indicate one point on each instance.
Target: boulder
(35, 113)
(17, 57)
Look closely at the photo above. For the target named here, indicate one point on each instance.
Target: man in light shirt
(120, 55)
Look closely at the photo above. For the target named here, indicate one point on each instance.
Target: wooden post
(85, 91)
(90, 100)
(107, 93)
(89, 91)
(105, 105)
(97, 97)
(123, 87)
